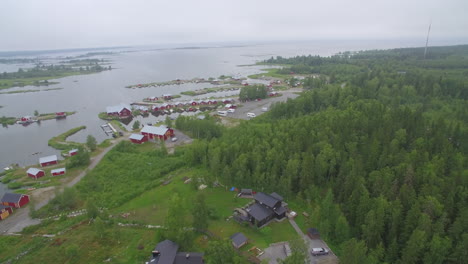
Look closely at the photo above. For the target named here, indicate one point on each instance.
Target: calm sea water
(90, 94)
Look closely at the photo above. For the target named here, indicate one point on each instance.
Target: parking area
(256, 106)
(274, 252)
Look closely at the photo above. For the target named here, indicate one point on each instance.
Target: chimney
(187, 255)
(155, 253)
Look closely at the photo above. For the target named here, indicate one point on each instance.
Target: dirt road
(21, 219)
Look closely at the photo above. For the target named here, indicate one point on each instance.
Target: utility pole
(427, 39)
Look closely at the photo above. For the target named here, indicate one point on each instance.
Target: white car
(251, 115)
(174, 139)
(231, 110)
(319, 251)
(264, 109)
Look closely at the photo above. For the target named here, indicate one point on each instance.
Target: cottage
(238, 240)
(167, 96)
(165, 252)
(59, 115)
(161, 132)
(72, 152)
(266, 208)
(26, 119)
(122, 110)
(138, 138)
(5, 211)
(49, 160)
(35, 173)
(14, 200)
(58, 172)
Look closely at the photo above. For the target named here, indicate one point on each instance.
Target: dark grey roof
(193, 258)
(238, 239)
(3, 207)
(266, 199)
(313, 231)
(277, 196)
(167, 252)
(280, 210)
(259, 212)
(246, 190)
(11, 197)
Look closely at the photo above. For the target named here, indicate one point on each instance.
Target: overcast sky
(57, 24)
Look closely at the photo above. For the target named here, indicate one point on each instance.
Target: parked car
(231, 110)
(264, 109)
(319, 251)
(174, 139)
(251, 115)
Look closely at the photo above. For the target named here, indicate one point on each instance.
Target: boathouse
(49, 160)
(122, 110)
(72, 152)
(160, 132)
(57, 172)
(138, 138)
(5, 211)
(35, 173)
(167, 96)
(16, 200)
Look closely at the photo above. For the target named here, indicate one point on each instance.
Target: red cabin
(5, 211)
(35, 173)
(16, 200)
(72, 152)
(161, 132)
(60, 115)
(138, 139)
(122, 110)
(49, 160)
(58, 172)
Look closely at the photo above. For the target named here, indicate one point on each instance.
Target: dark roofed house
(14, 200)
(266, 208)
(238, 240)
(165, 252)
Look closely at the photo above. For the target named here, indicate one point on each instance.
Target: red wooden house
(16, 200)
(35, 173)
(167, 96)
(121, 110)
(138, 139)
(49, 160)
(161, 132)
(72, 152)
(58, 172)
(193, 103)
(5, 211)
(155, 108)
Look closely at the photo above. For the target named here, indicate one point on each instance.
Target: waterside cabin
(15, 200)
(49, 160)
(35, 173)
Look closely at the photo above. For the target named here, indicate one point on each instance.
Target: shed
(5, 211)
(238, 240)
(16, 200)
(246, 192)
(313, 233)
(35, 173)
(49, 160)
(72, 152)
(60, 115)
(57, 172)
(138, 138)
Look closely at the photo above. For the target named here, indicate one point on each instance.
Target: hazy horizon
(52, 24)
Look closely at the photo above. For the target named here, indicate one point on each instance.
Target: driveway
(315, 243)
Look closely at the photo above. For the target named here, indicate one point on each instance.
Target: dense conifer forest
(378, 149)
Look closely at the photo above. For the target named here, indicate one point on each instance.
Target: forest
(378, 151)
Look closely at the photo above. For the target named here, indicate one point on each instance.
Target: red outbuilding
(72, 152)
(5, 211)
(35, 173)
(58, 172)
(138, 139)
(59, 115)
(49, 160)
(161, 132)
(16, 200)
